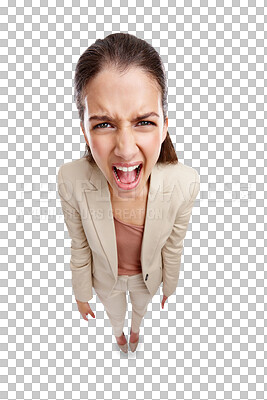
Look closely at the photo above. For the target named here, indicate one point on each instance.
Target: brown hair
(122, 51)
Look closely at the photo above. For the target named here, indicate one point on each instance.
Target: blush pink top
(129, 242)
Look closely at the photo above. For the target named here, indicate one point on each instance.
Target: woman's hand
(163, 300)
(85, 309)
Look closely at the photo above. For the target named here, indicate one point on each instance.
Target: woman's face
(114, 128)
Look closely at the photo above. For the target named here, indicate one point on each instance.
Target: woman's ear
(84, 133)
(165, 130)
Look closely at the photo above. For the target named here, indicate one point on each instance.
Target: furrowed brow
(150, 114)
(108, 118)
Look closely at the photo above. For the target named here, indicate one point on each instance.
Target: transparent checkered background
(209, 341)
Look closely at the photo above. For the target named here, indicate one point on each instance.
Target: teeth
(138, 171)
(127, 169)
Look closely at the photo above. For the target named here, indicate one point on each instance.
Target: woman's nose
(126, 147)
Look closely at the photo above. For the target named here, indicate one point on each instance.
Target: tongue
(127, 177)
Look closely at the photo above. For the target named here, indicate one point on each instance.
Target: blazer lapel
(100, 208)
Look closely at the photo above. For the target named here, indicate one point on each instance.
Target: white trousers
(115, 305)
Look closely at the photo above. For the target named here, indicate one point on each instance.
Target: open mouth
(127, 177)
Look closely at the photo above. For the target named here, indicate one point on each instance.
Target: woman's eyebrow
(107, 117)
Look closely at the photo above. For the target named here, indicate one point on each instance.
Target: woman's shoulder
(77, 169)
(73, 177)
(180, 171)
(180, 177)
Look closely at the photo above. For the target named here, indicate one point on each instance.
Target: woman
(126, 203)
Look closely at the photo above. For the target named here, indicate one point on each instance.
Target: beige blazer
(87, 209)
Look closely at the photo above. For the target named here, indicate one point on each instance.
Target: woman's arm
(81, 255)
(173, 248)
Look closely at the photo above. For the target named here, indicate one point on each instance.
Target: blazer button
(146, 277)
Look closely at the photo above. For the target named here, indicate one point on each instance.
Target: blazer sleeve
(173, 248)
(81, 255)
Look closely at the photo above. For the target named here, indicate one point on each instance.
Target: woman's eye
(150, 122)
(99, 125)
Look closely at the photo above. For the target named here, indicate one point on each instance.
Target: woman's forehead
(122, 95)
(133, 80)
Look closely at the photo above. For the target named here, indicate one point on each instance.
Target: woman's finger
(91, 312)
(163, 301)
(84, 317)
